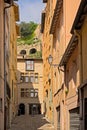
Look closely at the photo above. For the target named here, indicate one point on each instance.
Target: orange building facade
(64, 29)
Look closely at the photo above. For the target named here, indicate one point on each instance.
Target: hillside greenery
(27, 36)
(27, 33)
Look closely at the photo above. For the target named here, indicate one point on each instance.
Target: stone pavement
(28, 122)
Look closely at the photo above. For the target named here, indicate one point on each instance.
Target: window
(46, 93)
(36, 77)
(23, 52)
(85, 113)
(25, 92)
(0, 103)
(32, 51)
(58, 117)
(26, 79)
(32, 78)
(29, 65)
(22, 78)
(34, 93)
(22, 92)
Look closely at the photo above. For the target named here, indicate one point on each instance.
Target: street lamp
(50, 60)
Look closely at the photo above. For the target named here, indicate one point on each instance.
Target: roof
(44, 1)
(80, 16)
(81, 13)
(55, 18)
(69, 50)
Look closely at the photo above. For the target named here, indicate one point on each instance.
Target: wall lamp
(50, 60)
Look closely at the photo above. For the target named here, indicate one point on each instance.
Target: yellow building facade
(29, 83)
(14, 32)
(8, 17)
(1, 65)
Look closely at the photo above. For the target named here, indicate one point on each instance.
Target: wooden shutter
(74, 119)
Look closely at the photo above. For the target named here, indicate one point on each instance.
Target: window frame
(29, 65)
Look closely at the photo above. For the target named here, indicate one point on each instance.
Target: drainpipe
(5, 73)
(78, 34)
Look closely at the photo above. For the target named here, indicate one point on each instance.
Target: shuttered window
(74, 119)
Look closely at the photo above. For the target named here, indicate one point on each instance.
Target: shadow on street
(31, 122)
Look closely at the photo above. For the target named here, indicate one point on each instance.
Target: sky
(30, 10)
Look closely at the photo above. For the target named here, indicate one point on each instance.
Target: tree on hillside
(27, 29)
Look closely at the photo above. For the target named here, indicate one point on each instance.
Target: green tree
(27, 29)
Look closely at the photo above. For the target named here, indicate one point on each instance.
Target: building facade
(65, 22)
(1, 66)
(30, 84)
(8, 29)
(47, 50)
(12, 60)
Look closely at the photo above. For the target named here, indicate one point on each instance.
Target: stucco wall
(84, 49)
(38, 68)
(1, 64)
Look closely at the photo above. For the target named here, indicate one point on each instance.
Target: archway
(21, 109)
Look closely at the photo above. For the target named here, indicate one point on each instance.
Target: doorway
(85, 113)
(21, 110)
(34, 109)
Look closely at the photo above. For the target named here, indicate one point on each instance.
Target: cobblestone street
(28, 122)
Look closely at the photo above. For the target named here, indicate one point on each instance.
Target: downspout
(78, 34)
(5, 73)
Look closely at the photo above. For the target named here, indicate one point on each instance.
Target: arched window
(23, 52)
(32, 51)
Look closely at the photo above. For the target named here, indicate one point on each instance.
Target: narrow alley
(43, 64)
(31, 122)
